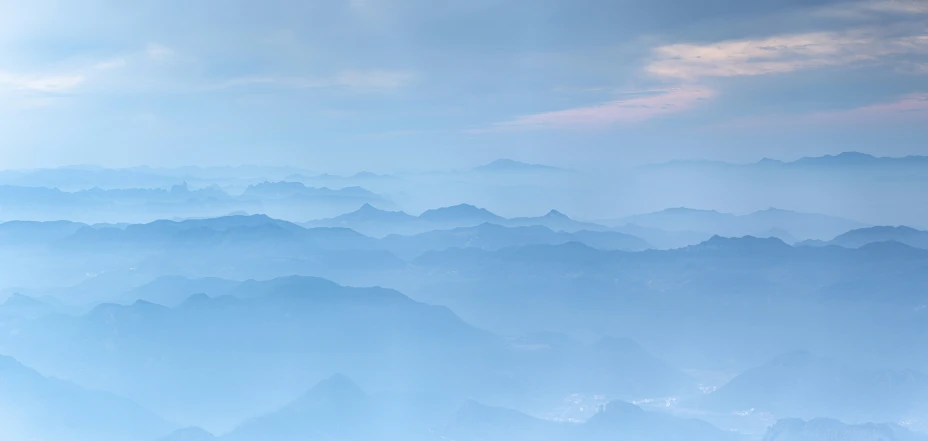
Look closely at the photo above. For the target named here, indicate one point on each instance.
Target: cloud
(869, 8)
(780, 54)
(116, 63)
(630, 110)
(158, 52)
(40, 83)
(911, 107)
(377, 79)
(57, 81)
(907, 109)
(365, 80)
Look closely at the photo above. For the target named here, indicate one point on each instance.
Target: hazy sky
(344, 85)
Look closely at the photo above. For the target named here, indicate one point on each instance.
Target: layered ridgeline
(745, 299)
(338, 409)
(884, 190)
(377, 222)
(670, 228)
(249, 348)
(512, 280)
(215, 361)
(291, 200)
(786, 225)
(255, 246)
(863, 236)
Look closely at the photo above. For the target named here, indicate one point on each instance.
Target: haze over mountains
(887, 190)
(273, 303)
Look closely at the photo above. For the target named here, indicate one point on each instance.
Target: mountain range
(784, 224)
(376, 222)
(300, 330)
(844, 159)
(291, 200)
(511, 166)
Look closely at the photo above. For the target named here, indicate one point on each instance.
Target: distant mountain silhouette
(20, 307)
(96, 205)
(456, 214)
(376, 222)
(493, 237)
(863, 236)
(556, 221)
(784, 224)
(337, 409)
(858, 159)
(23, 232)
(830, 430)
(512, 166)
(747, 246)
(286, 190)
(375, 334)
(173, 290)
(367, 213)
(845, 159)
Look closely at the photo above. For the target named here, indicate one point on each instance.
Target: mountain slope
(38, 408)
(801, 385)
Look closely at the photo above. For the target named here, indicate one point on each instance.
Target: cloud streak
(357, 80)
(630, 110)
(907, 109)
(40, 82)
(780, 54)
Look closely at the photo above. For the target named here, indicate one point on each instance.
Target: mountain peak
(337, 391)
(511, 165)
(459, 212)
(749, 244)
(21, 300)
(770, 161)
(10, 363)
(845, 158)
(556, 214)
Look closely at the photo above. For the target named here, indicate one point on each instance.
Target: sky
(385, 85)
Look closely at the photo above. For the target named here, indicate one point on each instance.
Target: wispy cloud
(40, 82)
(56, 81)
(159, 52)
(867, 8)
(780, 54)
(362, 80)
(910, 108)
(377, 79)
(627, 110)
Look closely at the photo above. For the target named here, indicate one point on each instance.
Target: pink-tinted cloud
(622, 111)
(780, 54)
(908, 109)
